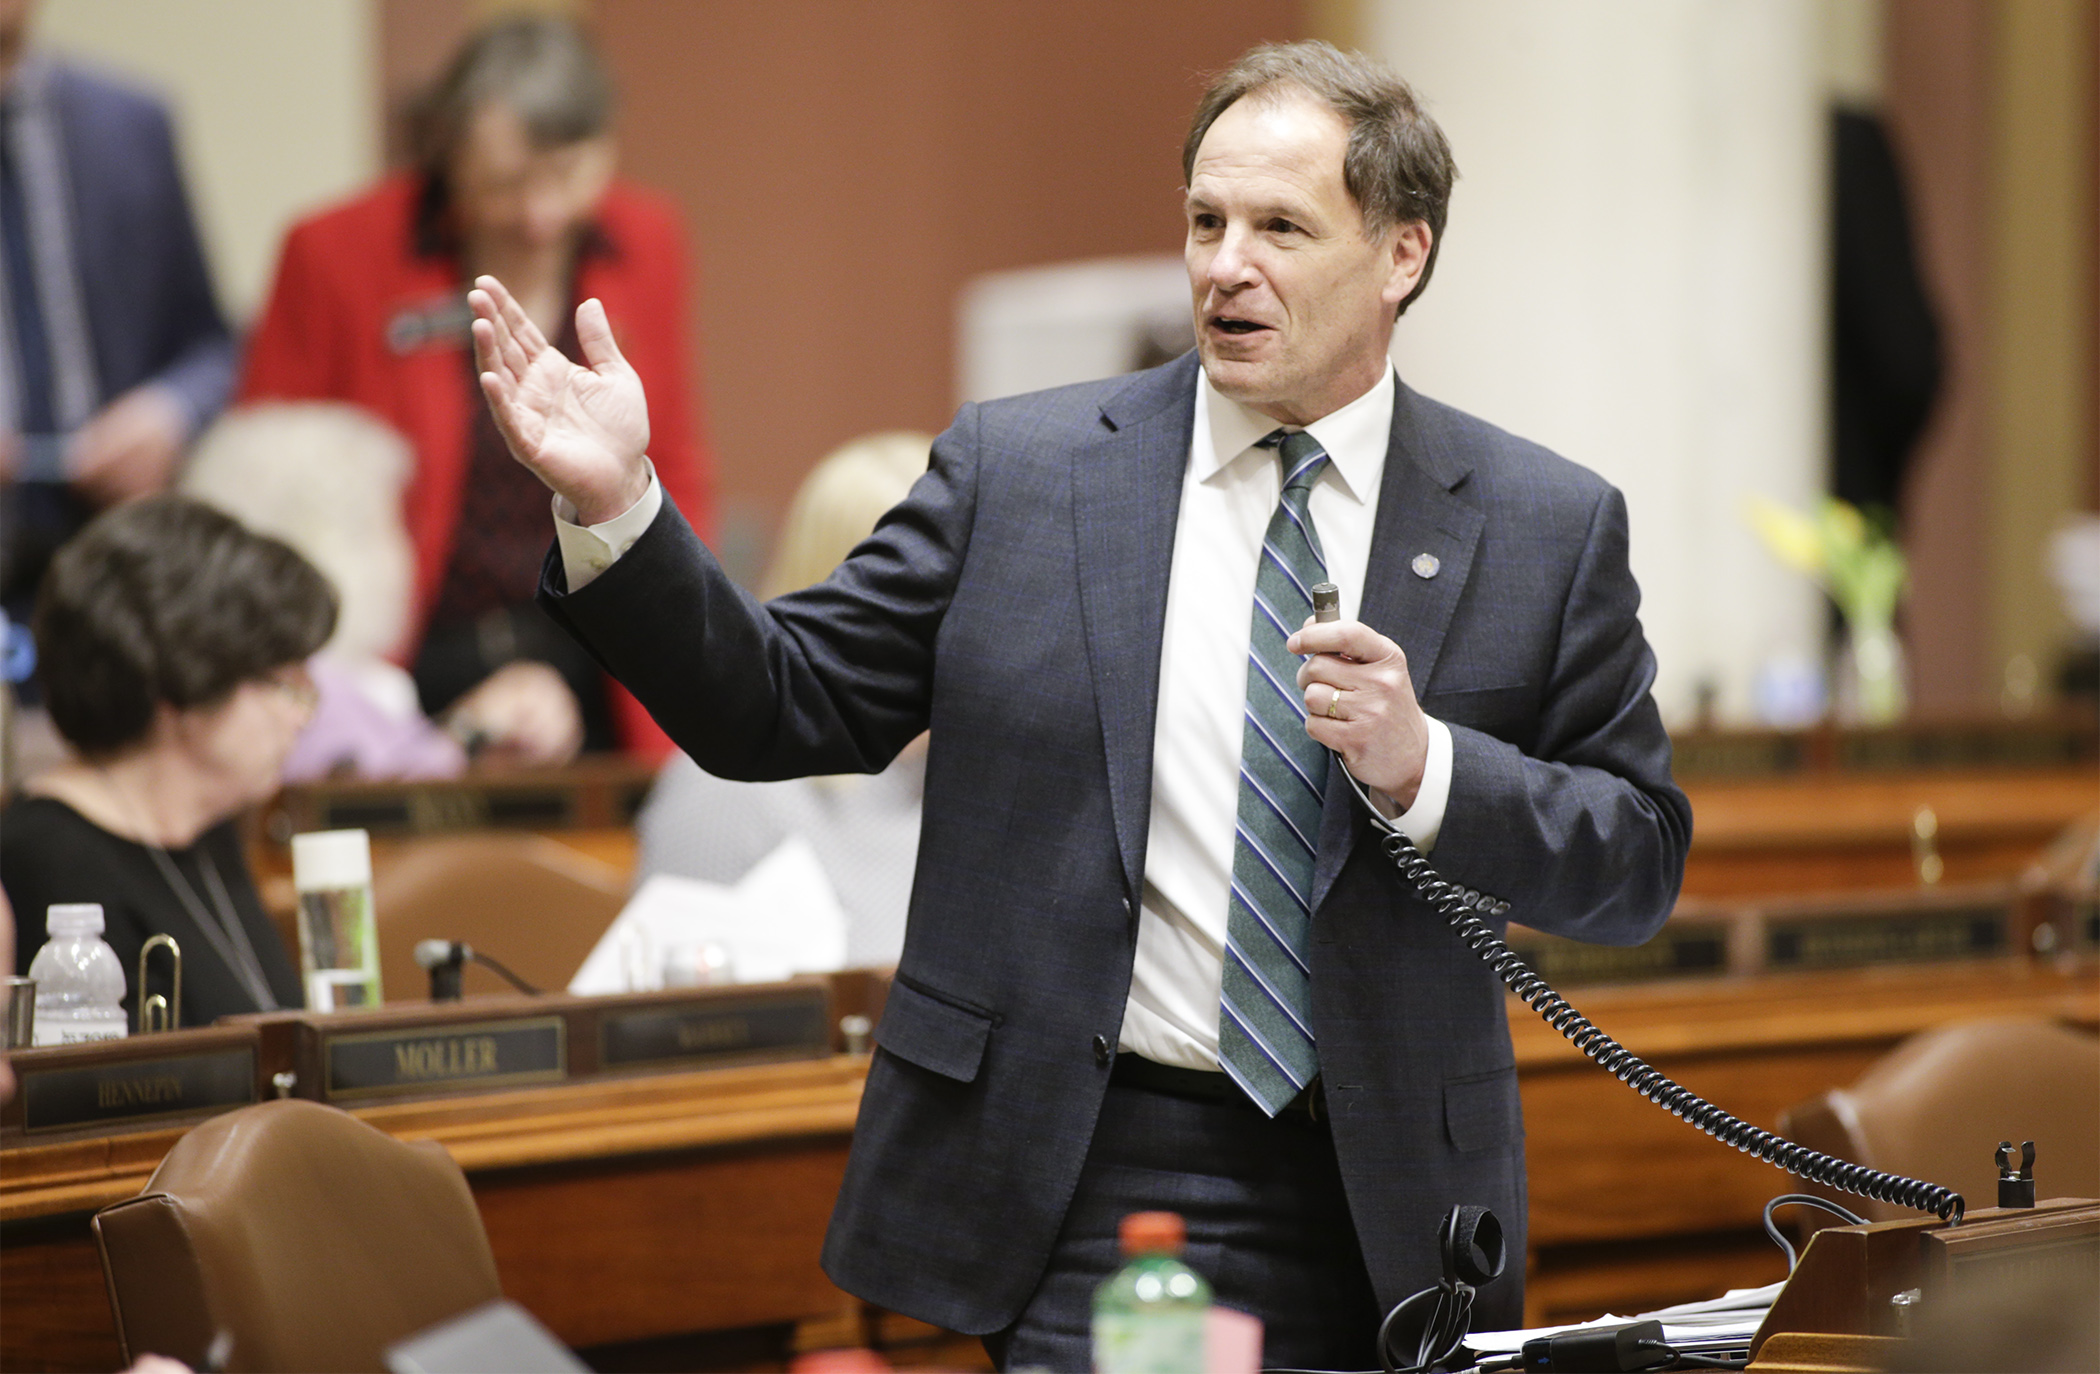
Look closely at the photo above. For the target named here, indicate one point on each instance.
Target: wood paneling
(1847, 831)
(844, 168)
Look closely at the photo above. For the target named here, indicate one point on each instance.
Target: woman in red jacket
(515, 178)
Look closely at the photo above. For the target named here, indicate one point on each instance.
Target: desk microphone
(445, 962)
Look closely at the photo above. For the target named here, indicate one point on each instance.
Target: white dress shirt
(1229, 492)
(1228, 495)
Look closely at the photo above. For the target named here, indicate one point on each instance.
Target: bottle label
(1148, 1342)
(53, 1030)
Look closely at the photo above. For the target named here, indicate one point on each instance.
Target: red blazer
(353, 285)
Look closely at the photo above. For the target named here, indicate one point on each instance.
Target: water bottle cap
(73, 918)
(1153, 1233)
(324, 859)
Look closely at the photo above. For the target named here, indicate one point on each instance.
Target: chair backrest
(536, 904)
(1937, 1105)
(312, 1240)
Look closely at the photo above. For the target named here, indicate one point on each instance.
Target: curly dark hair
(1398, 164)
(168, 600)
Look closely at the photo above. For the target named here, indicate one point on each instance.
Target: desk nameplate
(791, 1024)
(1842, 939)
(137, 1091)
(515, 1052)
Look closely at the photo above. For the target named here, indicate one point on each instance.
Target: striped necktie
(1265, 1038)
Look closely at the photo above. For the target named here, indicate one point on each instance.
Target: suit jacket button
(1101, 1053)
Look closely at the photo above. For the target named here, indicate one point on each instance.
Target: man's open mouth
(1232, 326)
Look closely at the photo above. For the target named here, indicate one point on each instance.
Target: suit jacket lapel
(1126, 497)
(1419, 512)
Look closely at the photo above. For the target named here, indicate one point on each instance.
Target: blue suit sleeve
(833, 679)
(1583, 833)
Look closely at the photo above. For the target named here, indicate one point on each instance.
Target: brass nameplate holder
(492, 1044)
(692, 1034)
(492, 1054)
(114, 1085)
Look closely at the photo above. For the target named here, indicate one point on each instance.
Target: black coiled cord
(1465, 909)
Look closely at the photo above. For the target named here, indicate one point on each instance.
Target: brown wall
(845, 167)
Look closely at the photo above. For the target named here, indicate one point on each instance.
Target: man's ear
(1409, 245)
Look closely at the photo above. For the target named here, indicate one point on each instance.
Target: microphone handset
(445, 961)
(1469, 912)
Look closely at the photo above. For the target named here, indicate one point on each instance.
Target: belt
(1199, 1085)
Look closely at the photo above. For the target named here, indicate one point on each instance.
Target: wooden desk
(637, 1208)
(618, 1210)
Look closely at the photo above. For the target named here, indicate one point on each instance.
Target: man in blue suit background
(1154, 959)
(113, 353)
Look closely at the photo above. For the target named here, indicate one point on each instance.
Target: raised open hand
(582, 430)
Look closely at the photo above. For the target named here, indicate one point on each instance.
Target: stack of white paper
(1735, 1314)
(781, 920)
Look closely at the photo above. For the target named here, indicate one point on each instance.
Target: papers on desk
(1735, 1315)
(782, 919)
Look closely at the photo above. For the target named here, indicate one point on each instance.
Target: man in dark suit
(1154, 957)
(113, 353)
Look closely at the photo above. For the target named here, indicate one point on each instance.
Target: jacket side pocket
(937, 1035)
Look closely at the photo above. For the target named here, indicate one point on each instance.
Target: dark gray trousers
(1268, 1226)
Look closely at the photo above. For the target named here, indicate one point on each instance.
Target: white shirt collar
(1355, 436)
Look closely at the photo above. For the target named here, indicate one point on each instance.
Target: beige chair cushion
(313, 1240)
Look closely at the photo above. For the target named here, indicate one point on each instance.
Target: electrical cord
(1468, 913)
(500, 971)
(1680, 1359)
(1805, 1200)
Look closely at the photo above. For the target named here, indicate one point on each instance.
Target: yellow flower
(1791, 537)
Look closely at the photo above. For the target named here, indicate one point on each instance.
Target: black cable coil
(1463, 908)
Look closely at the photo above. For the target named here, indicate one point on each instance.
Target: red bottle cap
(1153, 1233)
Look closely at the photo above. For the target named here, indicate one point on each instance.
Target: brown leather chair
(312, 1240)
(534, 903)
(1937, 1105)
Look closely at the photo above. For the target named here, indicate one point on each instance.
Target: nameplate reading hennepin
(137, 1090)
(791, 1025)
(428, 1059)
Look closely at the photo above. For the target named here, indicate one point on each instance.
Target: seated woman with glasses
(172, 645)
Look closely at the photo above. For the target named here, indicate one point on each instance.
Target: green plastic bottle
(1149, 1316)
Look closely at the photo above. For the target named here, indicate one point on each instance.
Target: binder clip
(158, 1013)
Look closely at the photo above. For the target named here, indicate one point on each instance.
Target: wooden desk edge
(560, 1124)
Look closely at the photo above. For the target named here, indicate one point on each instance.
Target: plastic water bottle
(1149, 1316)
(79, 984)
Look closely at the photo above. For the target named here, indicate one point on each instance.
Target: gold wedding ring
(1334, 699)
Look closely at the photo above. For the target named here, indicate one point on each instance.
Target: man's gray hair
(542, 66)
(1398, 164)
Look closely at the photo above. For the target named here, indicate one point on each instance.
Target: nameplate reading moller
(137, 1090)
(697, 1033)
(426, 1059)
